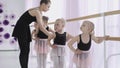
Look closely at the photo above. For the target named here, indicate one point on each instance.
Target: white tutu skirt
(58, 56)
(41, 46)
(58, 51)
(82, 60)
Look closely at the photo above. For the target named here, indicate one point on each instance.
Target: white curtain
(11, 12)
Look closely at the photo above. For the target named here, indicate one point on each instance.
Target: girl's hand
(35, 38)
(106, 37)
(78, 51)
(54, 46)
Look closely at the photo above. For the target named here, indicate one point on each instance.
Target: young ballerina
(41, 46)
(58, 47)
(82, 54)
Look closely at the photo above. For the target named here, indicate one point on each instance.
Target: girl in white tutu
(41, 46)
(58, 48)
(82, 54)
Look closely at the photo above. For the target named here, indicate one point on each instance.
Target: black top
(42, 35)
(22, 29)
(84, 46)
(60, 39)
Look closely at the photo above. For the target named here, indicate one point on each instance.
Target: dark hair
(45, 18)
(45, 1)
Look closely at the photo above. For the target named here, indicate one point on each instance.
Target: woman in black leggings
(22, 29)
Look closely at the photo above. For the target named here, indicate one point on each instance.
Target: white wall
(15, 7)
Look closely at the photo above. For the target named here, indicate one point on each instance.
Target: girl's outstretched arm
(98, 39)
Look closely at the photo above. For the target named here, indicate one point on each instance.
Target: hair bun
(45, 1)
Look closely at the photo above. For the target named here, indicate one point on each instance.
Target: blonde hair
(90, 26)
(62, 20)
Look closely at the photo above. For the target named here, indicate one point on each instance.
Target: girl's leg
(58, 57)
(41, 59)
(55, 62)
(44, 54)
(85, 60)
(39, 55)
(61, 62)
(38, 61)
(37, 46)
(77, 60)
(88, 62)
(78, 63)
(44, 60)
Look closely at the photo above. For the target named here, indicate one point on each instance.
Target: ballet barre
(114, 38)
(92, 16)
(95, 15)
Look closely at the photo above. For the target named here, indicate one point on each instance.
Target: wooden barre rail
(114, 38)
(93, 16)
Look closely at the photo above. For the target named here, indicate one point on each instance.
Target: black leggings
(24, 53)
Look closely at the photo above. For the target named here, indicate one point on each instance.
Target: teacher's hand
(50, 36)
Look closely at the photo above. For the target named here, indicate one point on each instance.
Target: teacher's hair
(45, 1)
